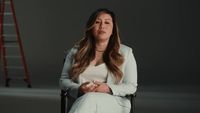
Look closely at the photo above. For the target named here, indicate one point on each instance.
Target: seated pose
(99, 71)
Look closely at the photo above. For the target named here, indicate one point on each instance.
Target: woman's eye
(97, 22)
(107, 22)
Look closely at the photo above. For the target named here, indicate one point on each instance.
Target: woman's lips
(101, 32)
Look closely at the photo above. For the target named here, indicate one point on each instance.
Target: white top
(94, 73)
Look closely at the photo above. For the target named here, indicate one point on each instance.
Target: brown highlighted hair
(86, 52)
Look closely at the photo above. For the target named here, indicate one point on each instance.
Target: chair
(70, 100)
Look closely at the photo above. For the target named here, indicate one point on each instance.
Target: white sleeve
(65, 81)
(129, 83)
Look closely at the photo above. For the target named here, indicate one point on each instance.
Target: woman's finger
(97, 82)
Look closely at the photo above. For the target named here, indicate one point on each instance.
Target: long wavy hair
(86, 52)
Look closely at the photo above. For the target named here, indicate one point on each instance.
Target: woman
(99, 71)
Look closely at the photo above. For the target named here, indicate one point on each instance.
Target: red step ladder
(11, 49)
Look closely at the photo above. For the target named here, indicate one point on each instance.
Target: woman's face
(103, 27)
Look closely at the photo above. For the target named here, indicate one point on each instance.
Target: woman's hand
(88, 87)
(102, 87)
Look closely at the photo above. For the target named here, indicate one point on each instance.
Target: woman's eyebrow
(104, 19)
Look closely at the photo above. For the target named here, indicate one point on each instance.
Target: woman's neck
(101, 46)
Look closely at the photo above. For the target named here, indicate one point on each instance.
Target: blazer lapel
(110, 78)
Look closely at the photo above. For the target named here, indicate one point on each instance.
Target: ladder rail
(19, 40)
(3, 50)
(1, 26)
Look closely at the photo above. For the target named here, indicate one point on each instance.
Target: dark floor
(148, 100)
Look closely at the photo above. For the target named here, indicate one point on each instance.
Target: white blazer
(126, 86)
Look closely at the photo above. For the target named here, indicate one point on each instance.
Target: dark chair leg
(132, 105)
(63, 101)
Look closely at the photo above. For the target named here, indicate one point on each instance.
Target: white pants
(98, 103)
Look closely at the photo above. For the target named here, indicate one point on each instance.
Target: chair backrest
(70, 100)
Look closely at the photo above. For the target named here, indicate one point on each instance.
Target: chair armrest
(131, 96)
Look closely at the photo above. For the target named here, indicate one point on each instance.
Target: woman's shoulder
(72, 51)
(125, 48)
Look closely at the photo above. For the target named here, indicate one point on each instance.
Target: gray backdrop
(163, 34)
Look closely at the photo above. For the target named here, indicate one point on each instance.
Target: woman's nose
(101, 26)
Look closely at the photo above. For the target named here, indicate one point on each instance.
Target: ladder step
(12, 56)
(14, 67)
(7, 13)
(11, 46)
(8, 24)
(7, 2)
(9, 35)
(16, 78)
(11, 41)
